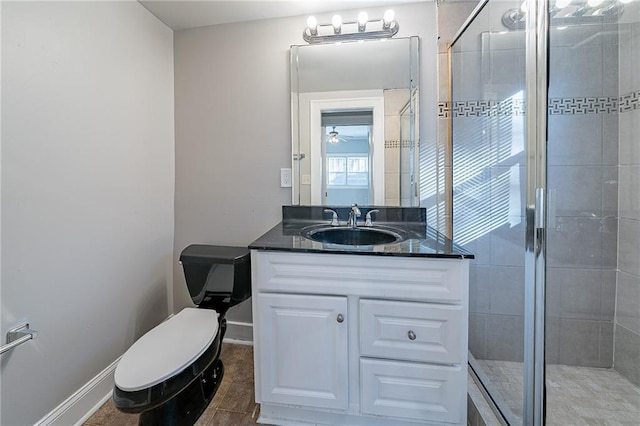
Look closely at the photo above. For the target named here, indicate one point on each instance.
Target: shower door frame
(536, 98)
(537, 66)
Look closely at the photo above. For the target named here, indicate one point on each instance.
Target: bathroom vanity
(360, 335)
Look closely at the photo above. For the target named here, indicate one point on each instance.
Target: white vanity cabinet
(348, 339)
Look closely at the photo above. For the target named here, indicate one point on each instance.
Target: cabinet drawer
(441, 280)
(412, 331)
(414, 391)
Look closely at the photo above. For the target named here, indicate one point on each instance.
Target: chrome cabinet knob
(340, 318)
(412, 335)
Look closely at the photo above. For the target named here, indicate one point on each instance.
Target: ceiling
(182, 14)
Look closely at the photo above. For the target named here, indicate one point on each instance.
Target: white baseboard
(238, 342)
(239, 331)
(76, 409)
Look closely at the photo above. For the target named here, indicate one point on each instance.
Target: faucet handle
(367, 220)
(334, 218)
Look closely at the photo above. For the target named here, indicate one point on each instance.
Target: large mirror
(354, 110)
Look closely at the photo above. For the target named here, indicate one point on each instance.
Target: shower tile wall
(393, 101)
(488, 179)
(627, 325)
(488, 112)
(582, 184)
(435, 157)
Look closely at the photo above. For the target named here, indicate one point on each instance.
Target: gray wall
(627, 327)
(233, 130)
(87, 192)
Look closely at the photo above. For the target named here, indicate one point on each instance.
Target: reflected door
(346, 165)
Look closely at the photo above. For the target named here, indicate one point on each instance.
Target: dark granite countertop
(419, 240)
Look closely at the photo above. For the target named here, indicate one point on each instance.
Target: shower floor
(575, 395)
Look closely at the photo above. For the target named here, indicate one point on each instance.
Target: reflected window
(346, 170)
(346, 164)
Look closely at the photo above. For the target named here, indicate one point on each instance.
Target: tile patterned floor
(233, 405)
(575, 395)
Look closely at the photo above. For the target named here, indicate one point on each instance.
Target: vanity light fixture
(569, 12)
(361, 29)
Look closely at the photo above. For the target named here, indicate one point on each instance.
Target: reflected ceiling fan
(334, 137)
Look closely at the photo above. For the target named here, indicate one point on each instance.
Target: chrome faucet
(334, 217)
(367, 220)
(354, 214)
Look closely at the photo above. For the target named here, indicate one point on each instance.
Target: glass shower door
(593, 250)
(489, 165)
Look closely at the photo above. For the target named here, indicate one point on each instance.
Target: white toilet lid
(167, 349)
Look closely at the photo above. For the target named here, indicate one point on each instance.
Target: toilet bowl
(171, 373)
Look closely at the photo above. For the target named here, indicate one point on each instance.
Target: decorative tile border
(444, 109)
(574, 106)
(397, 144)
(630, 101)
(557, 106)
(507, 107)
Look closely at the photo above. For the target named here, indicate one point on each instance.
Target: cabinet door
(303, 350)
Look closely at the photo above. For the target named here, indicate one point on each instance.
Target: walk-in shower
(545, 161)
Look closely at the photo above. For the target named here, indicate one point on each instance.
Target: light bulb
(333, 136)
(312, 24)
(387, 18)
(363, 18)
(336, 21)
(561, 4)
(594, 3)
(625, 1)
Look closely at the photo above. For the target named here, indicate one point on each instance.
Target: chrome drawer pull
(412, 335)
(340, 318)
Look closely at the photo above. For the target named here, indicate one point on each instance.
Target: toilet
(171, 374)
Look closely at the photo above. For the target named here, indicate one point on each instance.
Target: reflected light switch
(305, 180)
